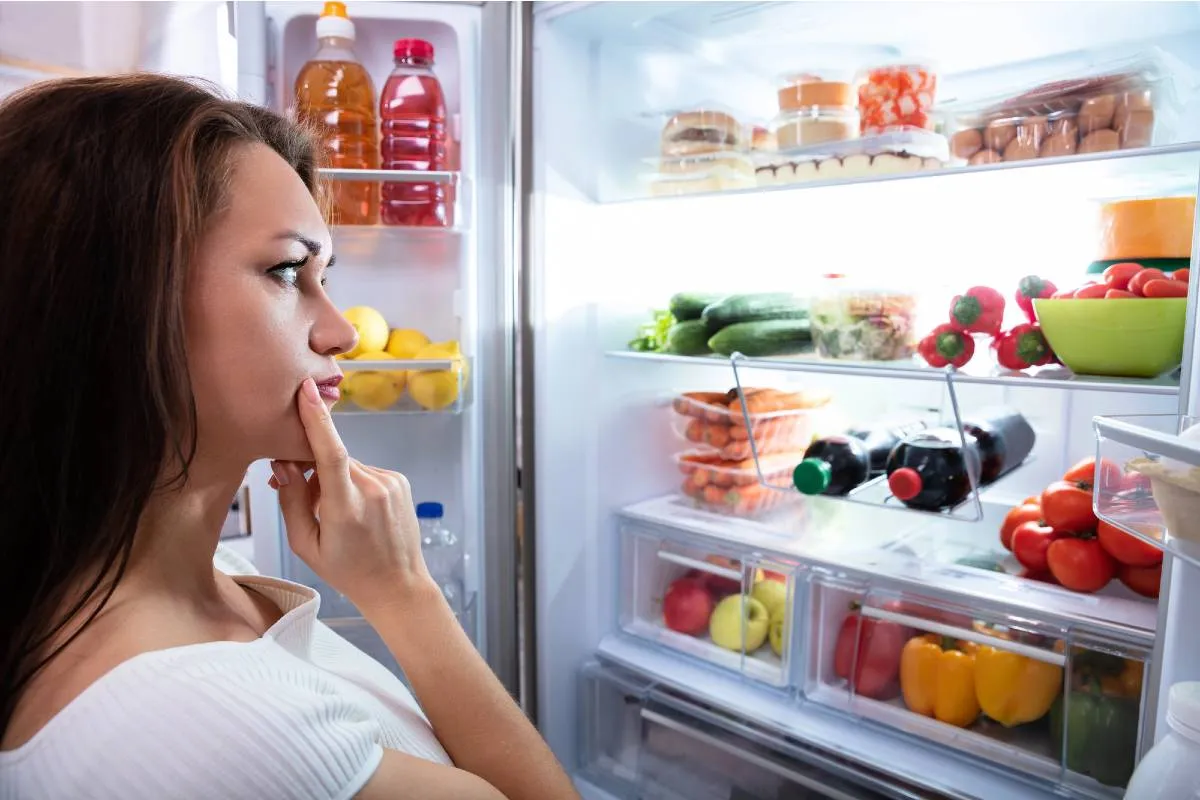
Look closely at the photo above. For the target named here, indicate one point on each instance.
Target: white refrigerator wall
(604, 438)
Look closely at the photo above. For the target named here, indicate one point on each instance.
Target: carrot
(716, 435)
(694, 404)
(749, 499)
(1142, 278)
(1184, 275)
(691, 490)
(694, 432)
(714, 495)
(1093, 292)
(1164, 288)
(1118, 294)
(1118, 276)
(699, 476)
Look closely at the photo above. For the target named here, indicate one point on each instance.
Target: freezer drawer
(641, 743)
(1009, 690)
(732, 608)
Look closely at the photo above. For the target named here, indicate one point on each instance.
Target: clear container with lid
(896, 95)
(852, 321)
(811, 125)
(1171, 770)
(800, 91)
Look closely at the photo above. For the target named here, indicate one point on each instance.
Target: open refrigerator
(557, 253)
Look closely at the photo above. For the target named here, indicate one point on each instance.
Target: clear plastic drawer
(1039, 699)
(733, 608)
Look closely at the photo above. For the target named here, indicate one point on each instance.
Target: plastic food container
(909, 150)
(709, 129)
(715, 420)
(1113, 108)
(856, 323)
(802, 91)
(733, 487)
(811, 125)
(1176, 488)
(1153, 227)
(709, 172)
(896, 96)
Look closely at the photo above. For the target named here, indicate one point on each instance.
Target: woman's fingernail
(309, 388)
(280, 474)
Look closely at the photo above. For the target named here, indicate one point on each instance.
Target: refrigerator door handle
(1036, 653)
(751, 758)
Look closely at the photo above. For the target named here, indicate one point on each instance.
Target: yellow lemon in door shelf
(374, 390)
(437, 389)
(406, 342)
(372, 330)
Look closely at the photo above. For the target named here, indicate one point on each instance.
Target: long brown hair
(106, 185)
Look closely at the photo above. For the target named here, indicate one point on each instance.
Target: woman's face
(257, 317)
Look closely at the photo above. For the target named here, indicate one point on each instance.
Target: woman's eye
(288, 272)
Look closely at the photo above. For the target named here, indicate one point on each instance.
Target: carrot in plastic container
(693, 404)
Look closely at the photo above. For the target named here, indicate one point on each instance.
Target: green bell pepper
(1102, 733)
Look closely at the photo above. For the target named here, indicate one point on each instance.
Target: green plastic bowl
(1131, 338)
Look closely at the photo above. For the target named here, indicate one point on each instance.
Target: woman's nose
(332, 333)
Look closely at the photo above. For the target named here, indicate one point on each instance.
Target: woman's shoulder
(225, 719)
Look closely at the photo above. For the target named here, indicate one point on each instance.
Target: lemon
(406, 342)
(374, 390)
(372, 330)
(437, 389)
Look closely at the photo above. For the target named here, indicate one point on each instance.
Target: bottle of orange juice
(335, 95)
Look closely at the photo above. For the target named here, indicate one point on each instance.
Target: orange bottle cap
(334, 9)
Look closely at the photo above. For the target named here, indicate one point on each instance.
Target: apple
(776, 633)
(687, 606)
(737, 616)
(771, 594)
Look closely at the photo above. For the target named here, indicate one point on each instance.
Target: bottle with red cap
(931, 470)
(412, 113)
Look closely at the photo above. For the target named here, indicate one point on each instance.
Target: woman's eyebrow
(312, 246)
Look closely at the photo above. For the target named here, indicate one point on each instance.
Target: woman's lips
(328, 388)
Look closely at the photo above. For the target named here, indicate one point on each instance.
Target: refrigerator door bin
(732, 607)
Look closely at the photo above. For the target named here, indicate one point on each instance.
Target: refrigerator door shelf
(732, 609)
(642, 743)
(404, 386)
(1150, 489)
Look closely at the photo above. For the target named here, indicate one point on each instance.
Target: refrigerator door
(456, 283)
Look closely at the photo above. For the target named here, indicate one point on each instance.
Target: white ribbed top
(298, 713)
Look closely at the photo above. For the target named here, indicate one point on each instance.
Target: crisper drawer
(1048, 701)
(640, 743)
(731, 608)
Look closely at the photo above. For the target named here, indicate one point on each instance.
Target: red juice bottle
(412, 113)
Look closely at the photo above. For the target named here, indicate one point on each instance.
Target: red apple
(687, 606)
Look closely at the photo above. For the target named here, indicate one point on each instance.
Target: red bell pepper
(945, 346)
(1031, 288)
(1023, 346)
(978, 310)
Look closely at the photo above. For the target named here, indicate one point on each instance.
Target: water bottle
(443, 552)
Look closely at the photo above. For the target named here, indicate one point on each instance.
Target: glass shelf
(1042, 378)
(391, 175)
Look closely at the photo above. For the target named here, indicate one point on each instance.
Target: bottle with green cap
(833, 465)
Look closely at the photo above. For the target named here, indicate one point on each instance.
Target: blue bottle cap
(429, 510)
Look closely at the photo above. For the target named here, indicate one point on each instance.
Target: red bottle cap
(905, 483)
(412, 48)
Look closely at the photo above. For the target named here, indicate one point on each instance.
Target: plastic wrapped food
(863, 324)
(802, 91)
(909, 150)
(710, 172)
(733, 487)
(811, 125)
(1113, 108)
(779, 421)
(1151, 227)
(896, 96)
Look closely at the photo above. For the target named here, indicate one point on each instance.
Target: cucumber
(688, 339)
(768, 337)
(752, 308)
(689, 305)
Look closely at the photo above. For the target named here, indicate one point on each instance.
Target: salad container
(856, 323)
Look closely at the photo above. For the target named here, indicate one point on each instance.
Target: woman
(162, 263)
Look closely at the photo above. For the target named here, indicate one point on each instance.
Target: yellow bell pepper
(1014, 689)
(939, 681)
(1128, 683)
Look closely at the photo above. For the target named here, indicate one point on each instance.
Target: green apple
(731, 616)
(771, 594)
(776, 634)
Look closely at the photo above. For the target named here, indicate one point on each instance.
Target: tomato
(1080, 564)
(1143, 580)
(1034, 575)
(1036, 499)
(1084, 474)
(1066, 507)
(877, 645)
(1030, 543)
(1164, 288)
(1127, 548)
(1138, 281)
(1091, 291)
(1027, 512)
(1119, 294)
(1117, 276)
(1182, 275)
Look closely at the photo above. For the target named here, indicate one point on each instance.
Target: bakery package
(896, 152)
(702, 150)
(814, 110)
(1119, 106)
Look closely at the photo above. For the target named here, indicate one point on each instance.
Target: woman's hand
(353, 525)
